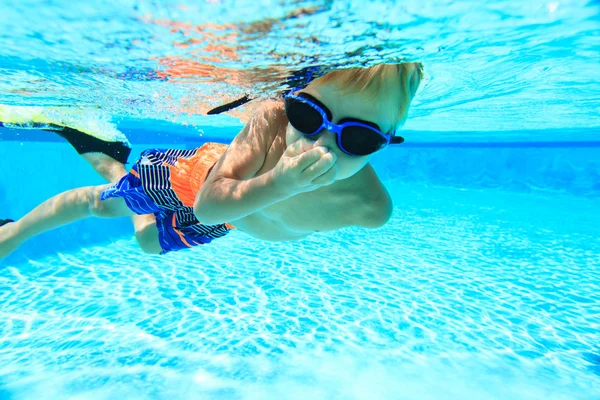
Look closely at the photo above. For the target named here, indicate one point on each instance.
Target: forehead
(377, 108)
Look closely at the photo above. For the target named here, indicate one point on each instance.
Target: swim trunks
(165, 183)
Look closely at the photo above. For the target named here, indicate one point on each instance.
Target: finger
(320, 167)
(328, 177)
(310, 157)
(299, 147)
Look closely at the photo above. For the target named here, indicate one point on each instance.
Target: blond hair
(401, 81)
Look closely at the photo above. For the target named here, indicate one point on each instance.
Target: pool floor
(465, 294)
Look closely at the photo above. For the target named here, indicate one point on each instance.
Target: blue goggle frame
(338, 128)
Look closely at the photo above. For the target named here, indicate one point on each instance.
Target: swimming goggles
(354, 136)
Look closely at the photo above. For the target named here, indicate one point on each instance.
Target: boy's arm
(232, 191)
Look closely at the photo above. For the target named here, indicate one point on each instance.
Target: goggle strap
(230, 106)
(397, 140)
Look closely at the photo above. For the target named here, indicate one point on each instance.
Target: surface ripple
(490, 66)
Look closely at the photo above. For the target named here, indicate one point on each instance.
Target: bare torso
(328, 208)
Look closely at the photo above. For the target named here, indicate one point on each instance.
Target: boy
(296, 168)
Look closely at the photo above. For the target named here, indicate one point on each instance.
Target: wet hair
(398, 81)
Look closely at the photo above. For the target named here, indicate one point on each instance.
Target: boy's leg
(146, 233)
(107, 167)
(112, 170)
(59, 210)
(95, 150)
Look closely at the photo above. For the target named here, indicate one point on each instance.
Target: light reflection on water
(494, 66)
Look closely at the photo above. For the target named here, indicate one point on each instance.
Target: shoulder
(269, 121)
(247, 152)
(269, 112)
(373, 200)
(377, 214)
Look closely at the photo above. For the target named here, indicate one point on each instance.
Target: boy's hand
(304, 168)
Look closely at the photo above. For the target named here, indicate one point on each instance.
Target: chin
(345, 174)
(352, 167)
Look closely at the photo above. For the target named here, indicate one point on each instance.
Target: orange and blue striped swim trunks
(165, 183)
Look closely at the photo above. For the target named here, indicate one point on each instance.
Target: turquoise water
(484, 285)
(465, 294)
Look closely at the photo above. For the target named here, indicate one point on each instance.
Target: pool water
(484, 285)
(464, 294)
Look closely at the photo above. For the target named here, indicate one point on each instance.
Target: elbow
(206, 218)
(203, 212)
(198, 211)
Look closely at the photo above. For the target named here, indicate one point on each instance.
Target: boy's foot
(86, 131)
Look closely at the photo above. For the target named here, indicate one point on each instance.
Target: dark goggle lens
(303, 117)
(361, 141)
